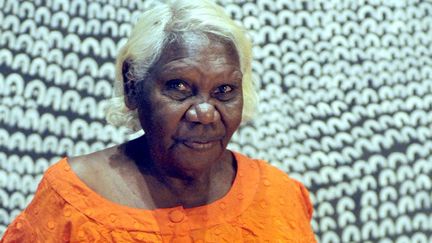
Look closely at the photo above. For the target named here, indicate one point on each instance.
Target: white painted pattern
(345, 89)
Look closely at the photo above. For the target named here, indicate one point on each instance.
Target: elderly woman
(184, 77)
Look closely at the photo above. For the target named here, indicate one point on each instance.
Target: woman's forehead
(199, 46)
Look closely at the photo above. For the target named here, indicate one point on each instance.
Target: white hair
(151, 35)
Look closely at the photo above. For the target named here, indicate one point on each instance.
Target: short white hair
(150, 37)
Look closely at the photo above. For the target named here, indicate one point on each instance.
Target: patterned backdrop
(345, 89)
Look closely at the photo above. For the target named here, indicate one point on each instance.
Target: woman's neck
(172, 187)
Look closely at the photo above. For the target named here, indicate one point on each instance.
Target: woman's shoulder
(71, 171)
(269, 173)
(93, 161)
(277, 184)
(272, 173)
(92, 168)
(279, 201)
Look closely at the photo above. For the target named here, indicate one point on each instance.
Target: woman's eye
(223, 89)
(225, 92)
(177, 84)
(178, 89)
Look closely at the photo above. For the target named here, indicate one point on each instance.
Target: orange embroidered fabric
(263, 205)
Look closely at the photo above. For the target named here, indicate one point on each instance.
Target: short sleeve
(306, 200)
(30, 224)
(19, 230)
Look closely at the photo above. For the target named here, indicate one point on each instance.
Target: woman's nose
(204, 113)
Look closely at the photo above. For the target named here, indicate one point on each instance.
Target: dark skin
(189, 107)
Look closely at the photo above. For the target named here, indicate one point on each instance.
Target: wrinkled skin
(189, 107)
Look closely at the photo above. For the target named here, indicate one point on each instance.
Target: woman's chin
(195, 158)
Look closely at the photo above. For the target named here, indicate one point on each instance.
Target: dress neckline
(81, 197)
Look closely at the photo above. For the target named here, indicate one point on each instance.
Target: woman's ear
(129, 86)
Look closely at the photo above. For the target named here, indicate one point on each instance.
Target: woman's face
(192, 104)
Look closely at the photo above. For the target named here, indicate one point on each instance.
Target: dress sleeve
(32, 224)
(19, 230)
(306, 200)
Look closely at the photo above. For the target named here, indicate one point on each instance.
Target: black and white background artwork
(345, 102)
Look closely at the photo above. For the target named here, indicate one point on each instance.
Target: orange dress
(263, 205)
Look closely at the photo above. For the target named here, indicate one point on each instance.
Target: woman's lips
(200, 145)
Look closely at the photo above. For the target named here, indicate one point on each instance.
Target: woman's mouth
(200, 145)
